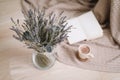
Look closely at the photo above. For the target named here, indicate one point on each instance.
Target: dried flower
(39, 32)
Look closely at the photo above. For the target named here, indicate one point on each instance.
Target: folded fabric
(106, 49)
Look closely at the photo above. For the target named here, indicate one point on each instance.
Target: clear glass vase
(43, 60)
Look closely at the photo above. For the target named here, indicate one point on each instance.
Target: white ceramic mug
(85, 52)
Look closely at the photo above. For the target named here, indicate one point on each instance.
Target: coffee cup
(84, 52)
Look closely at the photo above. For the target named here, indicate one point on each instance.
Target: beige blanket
(105, 49)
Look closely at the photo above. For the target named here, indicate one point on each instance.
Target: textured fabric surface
(105, 49)
(115, 20)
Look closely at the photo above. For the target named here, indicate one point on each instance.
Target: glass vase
(43, 60)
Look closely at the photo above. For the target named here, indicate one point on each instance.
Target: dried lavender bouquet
(39, 32)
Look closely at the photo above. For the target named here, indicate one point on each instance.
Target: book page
(90, 25)
(84, 27)
(76, 33)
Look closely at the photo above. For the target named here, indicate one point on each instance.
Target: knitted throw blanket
(106, 49)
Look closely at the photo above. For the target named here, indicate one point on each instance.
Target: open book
(84, 27)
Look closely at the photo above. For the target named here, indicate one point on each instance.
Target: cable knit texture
(106, 49)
